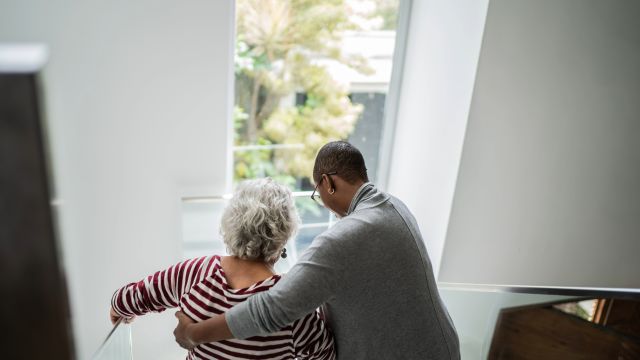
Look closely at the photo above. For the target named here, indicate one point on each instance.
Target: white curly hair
(259, 220)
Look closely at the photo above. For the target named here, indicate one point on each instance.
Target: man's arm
(310, 283)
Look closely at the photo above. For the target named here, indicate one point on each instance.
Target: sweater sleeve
(311, 282)
(159, 291)
(312, 339)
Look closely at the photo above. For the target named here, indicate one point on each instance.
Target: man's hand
(190, 334)
(114, 317)
(181, 333)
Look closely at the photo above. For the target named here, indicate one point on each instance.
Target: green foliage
(279, 45)
(580, 312)
(239, 118)
(387, 10)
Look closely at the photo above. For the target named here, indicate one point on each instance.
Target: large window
(308, 72)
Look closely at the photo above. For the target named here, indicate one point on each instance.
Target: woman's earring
(332, 191)
(284, 253)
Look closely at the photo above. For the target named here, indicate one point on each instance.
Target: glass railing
(117, 345)
(475, 313)
(496, 322)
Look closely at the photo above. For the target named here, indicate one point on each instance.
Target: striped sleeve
(312, 339)
(159, 291)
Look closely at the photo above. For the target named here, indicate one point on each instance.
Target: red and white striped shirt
(199, 287)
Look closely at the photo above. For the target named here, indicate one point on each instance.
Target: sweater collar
(360, 195)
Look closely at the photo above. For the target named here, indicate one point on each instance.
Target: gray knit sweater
(372, 273)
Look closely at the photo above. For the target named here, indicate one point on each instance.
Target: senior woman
(256, 225)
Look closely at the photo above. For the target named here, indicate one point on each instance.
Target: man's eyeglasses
(315, 197)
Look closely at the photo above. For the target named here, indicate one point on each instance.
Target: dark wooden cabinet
(34, 309)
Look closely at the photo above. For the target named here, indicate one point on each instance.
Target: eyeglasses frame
(313, 194)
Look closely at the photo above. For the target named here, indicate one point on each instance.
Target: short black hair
(343, 158)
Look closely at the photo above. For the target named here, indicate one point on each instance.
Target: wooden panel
(545, 333)
(34, 308)
(624, 317)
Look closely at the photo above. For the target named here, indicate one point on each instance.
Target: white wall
(549, 184)
(439, 71)
(138, 98)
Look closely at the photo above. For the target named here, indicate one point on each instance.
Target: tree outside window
(298, 67)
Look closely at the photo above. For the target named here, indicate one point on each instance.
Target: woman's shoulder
(202, 267)
(217, 276)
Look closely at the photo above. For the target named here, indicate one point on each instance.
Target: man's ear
(330, 186)
(325, 182)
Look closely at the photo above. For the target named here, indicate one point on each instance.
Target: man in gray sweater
(370, 270)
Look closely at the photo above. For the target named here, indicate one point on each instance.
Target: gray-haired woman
(256, 225)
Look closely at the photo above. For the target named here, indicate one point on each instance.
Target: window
(306, 73)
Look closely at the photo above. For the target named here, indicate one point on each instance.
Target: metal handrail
(544, 290)
(216, 198)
